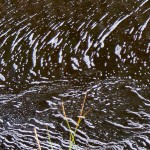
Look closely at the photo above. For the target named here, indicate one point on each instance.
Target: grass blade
(49, 138)
(37, 140)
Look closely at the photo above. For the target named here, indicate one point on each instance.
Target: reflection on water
(56, 50)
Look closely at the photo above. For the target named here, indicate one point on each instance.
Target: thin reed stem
(49, 138)
(71, 135)
(37, 140)
(81, 116)
(82, 108)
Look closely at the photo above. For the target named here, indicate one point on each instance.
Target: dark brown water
(55, 50)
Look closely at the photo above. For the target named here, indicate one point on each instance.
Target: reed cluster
(72, 133)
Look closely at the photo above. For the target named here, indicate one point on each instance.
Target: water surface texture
(56, 50)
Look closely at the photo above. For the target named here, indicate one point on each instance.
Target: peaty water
(53, 51)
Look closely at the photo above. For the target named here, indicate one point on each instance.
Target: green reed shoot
(80, 117)
(72, 133)
(49, 138)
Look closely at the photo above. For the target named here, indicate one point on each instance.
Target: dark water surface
(53, 51)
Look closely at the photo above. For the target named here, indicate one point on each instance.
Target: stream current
(57, 50)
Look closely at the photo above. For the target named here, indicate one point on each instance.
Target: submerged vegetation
(72, 132)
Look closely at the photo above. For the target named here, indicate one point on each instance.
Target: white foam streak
(101, 33)
(77, 46)
(58, 25)
(60, 56)
(15, 66)
(31, 39)
(54, 41)
(4, 33)
(86, 58)
(2, 77)
(138, 126)
(112, 28)
(141, 5)
(80, 26)
(34, 54)
(15, 43)
(4, 41)
(103, 16)
(94, 25)
(143, 27)
(84, 37)
(75, 61)
(45, 36)
(118, 51)
(140, 96)
(128, 142)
